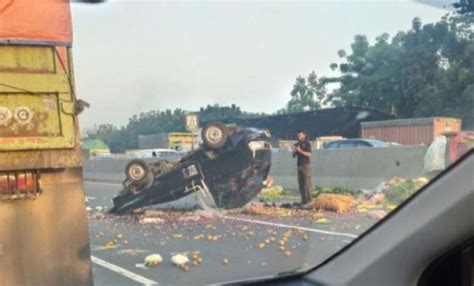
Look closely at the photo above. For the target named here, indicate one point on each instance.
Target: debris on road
(179, 259)
(391, 207)
(257, 209)
(399, 189)
(206, 214)
(318, 215)
(191, 218)
(153, 260)
(376, 199)
(285, 210)
(131, 251)
(154, 213)
(199, 236)
(141, 266)
(225, 261)
(97, 216)
(196, 259)
(376, 214)
(214, 237)
(322, 221)
(109, 245)
(151, 220)
(395, 181)
(272, 193)
(420, 182)
(333, 202)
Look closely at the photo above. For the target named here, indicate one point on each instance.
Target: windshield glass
(376, 143)
(386, 74)
(224, 141)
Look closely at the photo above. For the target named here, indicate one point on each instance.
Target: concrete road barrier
(351, 168)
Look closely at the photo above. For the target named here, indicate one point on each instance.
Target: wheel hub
(136, 172)
(214, 134)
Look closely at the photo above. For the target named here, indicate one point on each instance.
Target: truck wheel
(215, 135)
(138, 172)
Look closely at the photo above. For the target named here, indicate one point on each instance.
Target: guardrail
(351, 168)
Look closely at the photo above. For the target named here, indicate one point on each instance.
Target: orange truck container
(414, 131)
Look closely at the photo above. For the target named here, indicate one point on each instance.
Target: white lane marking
(292, 227)
(122, 271)
(105, 184)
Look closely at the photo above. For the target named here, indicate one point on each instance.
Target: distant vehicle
(446, 149)
(459, 143)
(168, 154)
(179, 141)
(229, 169)
(356, 143)
(104, 157)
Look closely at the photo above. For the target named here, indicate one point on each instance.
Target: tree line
(425, 71)
(123, 138)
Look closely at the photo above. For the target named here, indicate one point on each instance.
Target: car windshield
(376, 143)
(263, 65)
(220, 141)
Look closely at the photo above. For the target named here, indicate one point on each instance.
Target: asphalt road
(119, 244)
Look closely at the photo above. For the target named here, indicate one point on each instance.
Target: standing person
(302, 152)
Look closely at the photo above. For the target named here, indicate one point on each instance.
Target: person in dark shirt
(302, 152)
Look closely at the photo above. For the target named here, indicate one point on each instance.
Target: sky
(137, 56)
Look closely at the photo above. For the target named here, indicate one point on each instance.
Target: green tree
(156, 121)
(464, 6)
(152, 122)
(425, 71)
(220, 112)
(115, 138)
(307, 94)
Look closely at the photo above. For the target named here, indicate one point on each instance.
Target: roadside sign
(192, 122)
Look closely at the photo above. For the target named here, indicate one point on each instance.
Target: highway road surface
(232, 246)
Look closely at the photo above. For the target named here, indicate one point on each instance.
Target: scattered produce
(179, 259)
(153, 260)
(333, 202)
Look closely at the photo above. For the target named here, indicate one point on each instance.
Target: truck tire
(214, 135)
(138, 172)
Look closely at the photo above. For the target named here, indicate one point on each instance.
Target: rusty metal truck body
(43, 222)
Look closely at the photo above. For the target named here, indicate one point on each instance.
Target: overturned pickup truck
(229, 169)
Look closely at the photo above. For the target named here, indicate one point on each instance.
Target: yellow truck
(43, 221)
